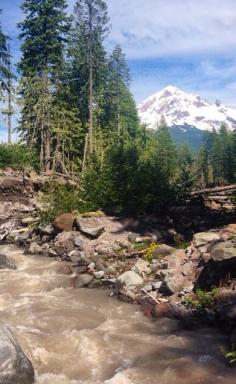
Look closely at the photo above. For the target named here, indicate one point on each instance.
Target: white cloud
(154, 28)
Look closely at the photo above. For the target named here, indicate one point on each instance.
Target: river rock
(64, 222)
(162, 251)
(75, 256)
(79, 243)
(22, 238)
(15, 367)
(35, 249)
(64, 242)
(47, 230)
(161, 310)
(173, 283)
(88, 229)
(30, 220)
(223, 251)
(83, 280)
(203, 238)
(141, 267)
(7, 262)
(99, 274)
(156, 285)
(130, 278)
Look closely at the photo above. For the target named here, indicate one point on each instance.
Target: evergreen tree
(43, 33)
(120, 113)
(166, 152)
(185, 165)
(89, 58)
(3, 61)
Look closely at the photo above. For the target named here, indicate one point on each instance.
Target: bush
(129, 181)
(58, 199)
(202, 299)
(17, 156)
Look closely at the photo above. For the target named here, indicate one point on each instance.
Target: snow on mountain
(181, 108)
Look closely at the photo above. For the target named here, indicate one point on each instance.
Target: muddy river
(81, 336)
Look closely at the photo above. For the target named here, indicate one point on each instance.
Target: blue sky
(190, 44)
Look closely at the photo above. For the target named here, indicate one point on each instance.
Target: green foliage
(202, 299)
(17, 156)
(3, 60)
(43, 34)
(131, 178)
(231, 356)
(216, 160)
(58, 199)
(141, 246)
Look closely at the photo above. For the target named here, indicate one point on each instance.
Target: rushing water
(78, 336)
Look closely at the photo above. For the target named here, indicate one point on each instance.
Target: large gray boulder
(7, 262)
(130, 278)
(203, 238)
(83, 280)
(223, 251)
(89, 227)
(15, 367)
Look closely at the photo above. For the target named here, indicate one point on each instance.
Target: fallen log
(209, 191)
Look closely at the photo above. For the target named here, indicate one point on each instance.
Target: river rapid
(81, 336)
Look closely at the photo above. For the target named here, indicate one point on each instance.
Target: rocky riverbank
(140, 261)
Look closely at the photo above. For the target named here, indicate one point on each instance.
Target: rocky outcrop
(15, 367)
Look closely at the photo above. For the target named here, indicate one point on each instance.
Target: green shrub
(58, 199)
(202, 299)
(231, 356)
(17, 156)
(130, 180)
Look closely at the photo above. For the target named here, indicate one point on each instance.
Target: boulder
(79, 243)
(47, 230)
(141, 267)
(127, 294)
(106, 248)
(22, 238)
(157, 285)
(7, 262)
(203, 238)
(35, 249)
(75, 256)
(64, 242)
(162, 251)
(88, 229)
(130, 278)
(64, 222)
(99, 274)
(162, 310)
(83, 280)
(223, 251)
(15, 367)
(173, 283)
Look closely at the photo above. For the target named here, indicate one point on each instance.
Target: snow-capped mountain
(180, 108)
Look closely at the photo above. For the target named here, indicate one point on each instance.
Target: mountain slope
(185, 109)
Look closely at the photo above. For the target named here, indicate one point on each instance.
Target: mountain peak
(182, 108)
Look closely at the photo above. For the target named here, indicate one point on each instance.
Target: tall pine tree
(43, 35)
(88, 66)
(119, 110)
(3, 60)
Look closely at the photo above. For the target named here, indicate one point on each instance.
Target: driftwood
(209, 191)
